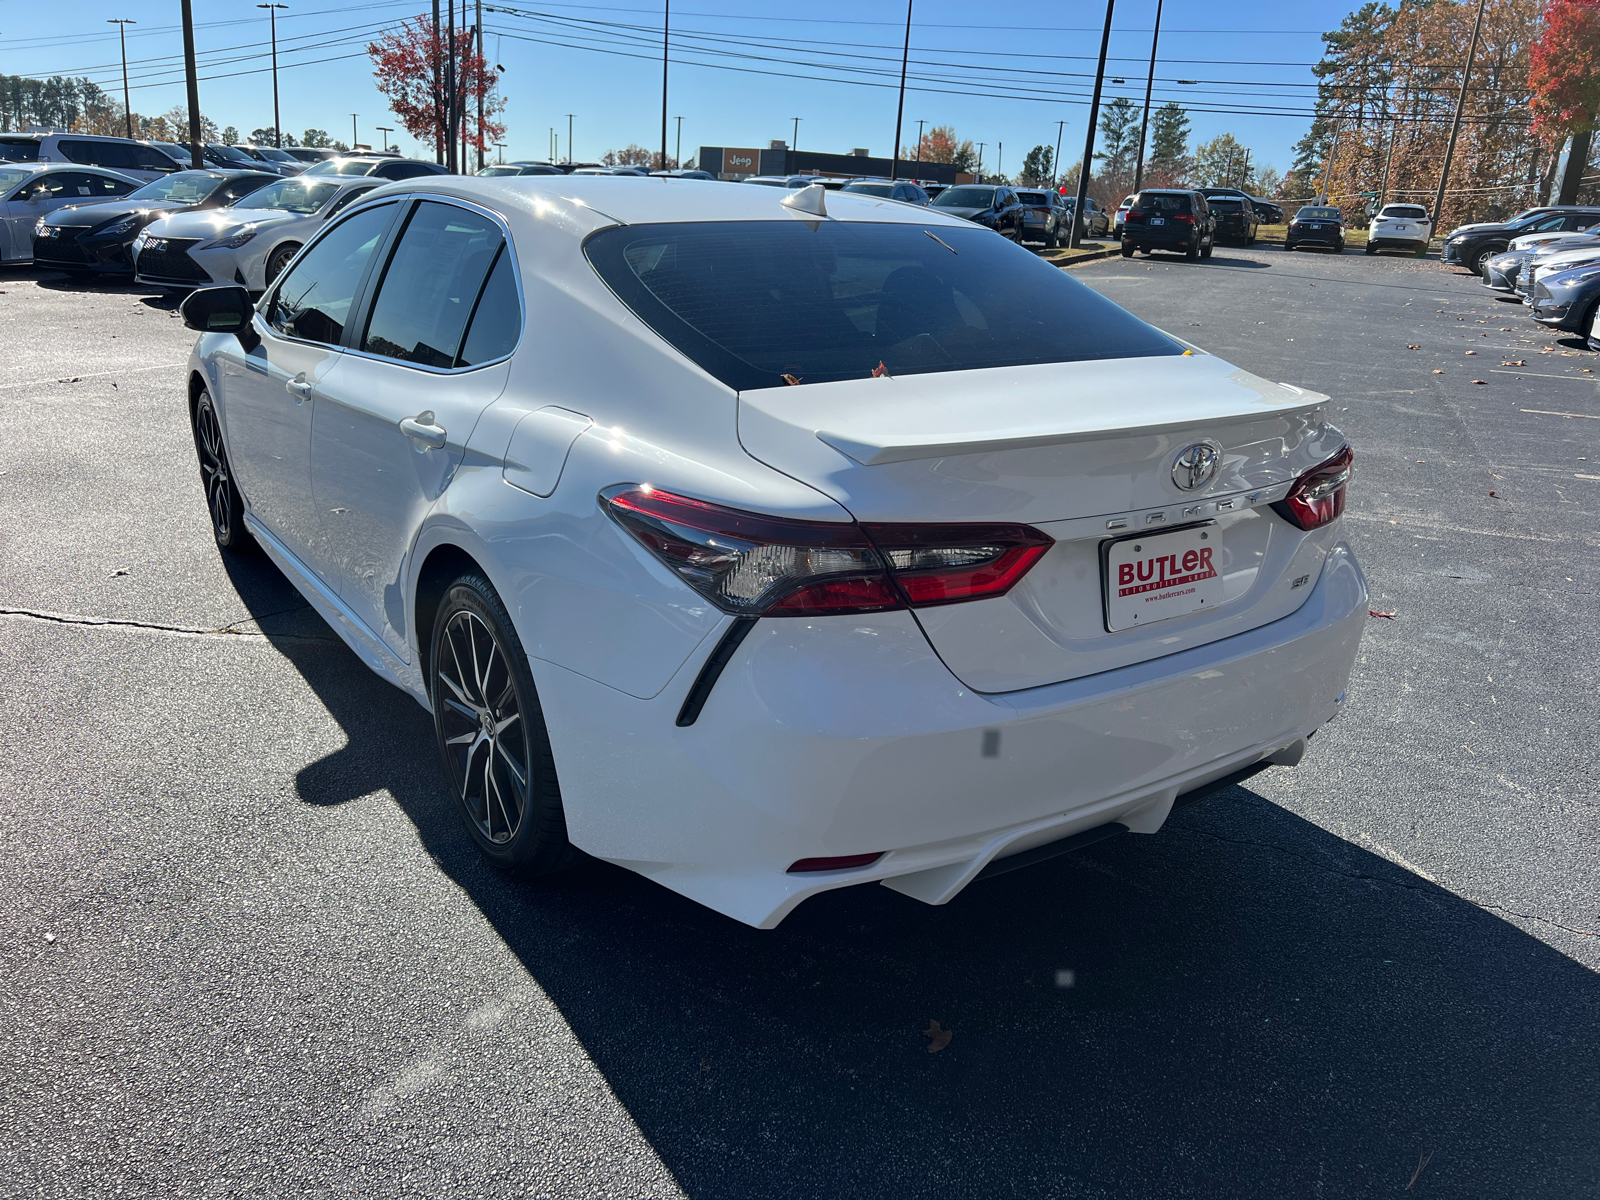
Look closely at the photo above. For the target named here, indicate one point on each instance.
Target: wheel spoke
(512, 764)
(455, 654)
(462, 739)
(506, 723)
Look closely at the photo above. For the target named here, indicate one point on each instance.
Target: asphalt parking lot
(248, 950)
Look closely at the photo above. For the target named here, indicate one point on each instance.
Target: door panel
(400, 409)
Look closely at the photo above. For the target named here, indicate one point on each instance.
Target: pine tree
(1119, 138)
(1037, 167)
(1168, 159)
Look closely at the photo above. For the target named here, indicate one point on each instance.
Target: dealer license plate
(1158, 220)
(1166, 575)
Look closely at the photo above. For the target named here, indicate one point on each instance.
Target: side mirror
(218, 310)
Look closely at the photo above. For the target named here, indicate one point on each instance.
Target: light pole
(795, 144)
(483, 70)
(451, 161)
(666, 30)
(500, 148)
(569, 139)
(1000, 159)
(900, 110)
(1149, 85)
(1055, 163)
(386, 130)
(438, 90)
(1078, 217)
(277, 122)
(679, 156)
(353, 138)
(981, 145)
(920, 124)
(197, 147)
(127, 105)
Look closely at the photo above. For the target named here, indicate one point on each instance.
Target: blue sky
(833, 63)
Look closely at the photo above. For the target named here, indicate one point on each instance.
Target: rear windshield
(1412, 211)
(1312, 212)
(870, 189)
(1226, 203)
(19, 150)
(754, 301)
(339, 166)
(965, 197)
(1033, 198)
(1163, 202)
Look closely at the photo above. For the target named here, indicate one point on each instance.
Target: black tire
(278, 260)
(1205, 250)
(1371, 249)
(223, 502)
(1051, 242)
(493, 745)
(1480, 263)
(1288, 247)
(1422, 250)
(1127, 249)
(1192, 251)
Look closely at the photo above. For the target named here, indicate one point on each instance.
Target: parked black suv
(1236, 219)
(1473, 245)
(1169, 219)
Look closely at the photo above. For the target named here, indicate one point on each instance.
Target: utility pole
(666, 29)
(569, 139)
(1327, 171)
(900, 109)
(483, 68)
(450, 164)
(500, 148)
(277, 122)
(461, 93)
(981, 145)
(679, 154)
(1000, 159)
(794, 144)
(353, 136)
(1455, 126)
(1078, 217)
(1055, 163)
(1245, 176)
(197, 146)
(1149, 85)
(438, 89)
(122, 32)
(386, 130)
(920, 124)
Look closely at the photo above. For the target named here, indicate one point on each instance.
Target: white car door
(270, 389)
(396, 413)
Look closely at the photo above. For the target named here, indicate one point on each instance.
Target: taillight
(1133, 218)
(1317, 497)
(1186, 218)
(757, 565)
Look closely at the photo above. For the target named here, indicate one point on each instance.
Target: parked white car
(766, 542)
(1400, 227)
(28, 191)
(248, 243)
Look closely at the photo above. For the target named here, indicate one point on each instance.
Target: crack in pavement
(1361, 875)
(230, 630)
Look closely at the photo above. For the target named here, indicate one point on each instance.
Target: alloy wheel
(482, 729)
(214, 472)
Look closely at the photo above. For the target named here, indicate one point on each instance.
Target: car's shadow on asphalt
(1257, 1007)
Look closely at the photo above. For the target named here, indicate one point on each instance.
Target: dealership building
(739, 162)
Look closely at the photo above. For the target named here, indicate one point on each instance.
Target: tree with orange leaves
(1565, 81)
(403, 63)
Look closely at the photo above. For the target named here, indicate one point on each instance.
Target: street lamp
(277, 122)
(900, 109)
(122, 32)
(353, 138)
(920, 124)
(385, 130)
(679, 120)
(501, 148)
(569, 138)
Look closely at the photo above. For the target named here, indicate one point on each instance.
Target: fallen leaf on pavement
(1485, 382)
(938, 1038)
(1436, 371)
(1387, 616)
(1521, 362)
(1413, 347)
(1471, 351)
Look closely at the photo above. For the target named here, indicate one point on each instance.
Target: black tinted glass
(19, 150)
(430, 285)
(498, 318)
(313, 301)
(753, 301)
(1162, 202)
(1224, 204)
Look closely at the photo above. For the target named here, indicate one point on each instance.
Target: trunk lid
(1085, 452)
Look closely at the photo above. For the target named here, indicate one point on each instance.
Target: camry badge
(1196, 465)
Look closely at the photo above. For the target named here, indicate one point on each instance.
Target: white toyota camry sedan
(765, 542)
(248, 243)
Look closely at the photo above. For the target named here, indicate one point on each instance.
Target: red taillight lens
(1317, 497)
(842, 863)
(1186, 218)
(943, 564)
(757, 565)
(1133, 217)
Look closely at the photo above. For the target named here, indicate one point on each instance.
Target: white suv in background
(122, 155)
(1400, 227)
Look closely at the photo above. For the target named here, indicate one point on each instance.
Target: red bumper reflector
(835, 864)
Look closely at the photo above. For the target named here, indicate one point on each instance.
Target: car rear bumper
(846, 735)
(1397, 243)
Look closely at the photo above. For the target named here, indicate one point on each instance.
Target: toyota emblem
(1196, 465)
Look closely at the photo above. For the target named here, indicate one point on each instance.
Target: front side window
(431, 285)
(314, 298)
(754, 301)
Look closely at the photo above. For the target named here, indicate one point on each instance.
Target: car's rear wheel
(278, 260)
(1371, 249)
(223, 501)
(1480, 264)
(1127, 249)
(1192, 251)
(1205, 250)
(491, 733)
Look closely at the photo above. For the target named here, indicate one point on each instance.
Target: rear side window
(754, 301)
(497, 319)
(19, 150)
(313, 300)
(431, 284)
(148, 158)
(1162, 202)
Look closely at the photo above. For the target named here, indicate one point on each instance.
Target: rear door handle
(422, 430)
(299, 387)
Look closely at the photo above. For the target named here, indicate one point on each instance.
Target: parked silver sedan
(249, 243)
(29, 191)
